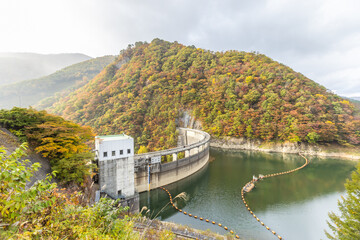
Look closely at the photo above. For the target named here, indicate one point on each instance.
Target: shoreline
(330, 150)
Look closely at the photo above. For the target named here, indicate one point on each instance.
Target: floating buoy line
(247, 188)
(197, 217)
(250, 185)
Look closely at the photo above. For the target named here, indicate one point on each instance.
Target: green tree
(312, 137)
(43, 212)
(75, 167)
(15, 199)
(346, 226)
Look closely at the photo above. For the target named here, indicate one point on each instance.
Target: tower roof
(113, 137)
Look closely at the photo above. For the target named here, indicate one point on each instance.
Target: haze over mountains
(15, 67)
(50, 88)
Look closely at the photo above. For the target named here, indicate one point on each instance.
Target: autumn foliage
(62, 142)
(43, 211)
(150, 85)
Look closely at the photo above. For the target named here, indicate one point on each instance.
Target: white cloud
(316, 37)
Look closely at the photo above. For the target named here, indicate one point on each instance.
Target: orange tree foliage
(150, 85)
(62, 142)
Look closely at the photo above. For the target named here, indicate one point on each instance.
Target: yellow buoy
(219, 224)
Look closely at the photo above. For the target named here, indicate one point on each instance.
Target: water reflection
(215, 194)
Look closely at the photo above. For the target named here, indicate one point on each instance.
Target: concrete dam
(123, 174)
(194, 145)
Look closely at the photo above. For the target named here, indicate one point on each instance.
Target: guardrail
(150, 174)
(140, 159)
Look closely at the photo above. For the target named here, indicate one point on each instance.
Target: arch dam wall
(193, 146)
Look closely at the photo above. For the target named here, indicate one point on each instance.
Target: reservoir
(296, 205)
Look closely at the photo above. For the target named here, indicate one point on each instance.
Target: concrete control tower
(115, 154)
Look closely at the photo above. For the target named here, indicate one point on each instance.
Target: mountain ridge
(49, 89)
(232, 93)
(15, 67)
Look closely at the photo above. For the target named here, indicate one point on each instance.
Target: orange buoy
(195, 216)
(225, 228)
(237, 236)
(219, 224)
(180, 210)
(273, 232)
(185, 213)
(267, 227)
(207, 220)
(213, 222)
(190, 214)
(201, 218)
(231, 231)
(262, 223)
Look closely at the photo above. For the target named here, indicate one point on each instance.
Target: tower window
(113, 153)
(105, 154)
(121, 152)
(129, 151)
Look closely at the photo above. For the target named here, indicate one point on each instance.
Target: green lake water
(294, 205)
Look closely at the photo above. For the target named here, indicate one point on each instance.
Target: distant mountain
(50, 88)
(151, 87)
(356, 102)
(15, 67)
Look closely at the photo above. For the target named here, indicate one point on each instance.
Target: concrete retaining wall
(195, 145)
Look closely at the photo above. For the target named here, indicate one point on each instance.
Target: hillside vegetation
(45, 212)
(62, 142)
(30, 92)
(15, 67)
(231, 93)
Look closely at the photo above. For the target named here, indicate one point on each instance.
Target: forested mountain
(231, 93)
(30, 92)
(15, 67)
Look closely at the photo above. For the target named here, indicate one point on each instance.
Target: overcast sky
(319, 38)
